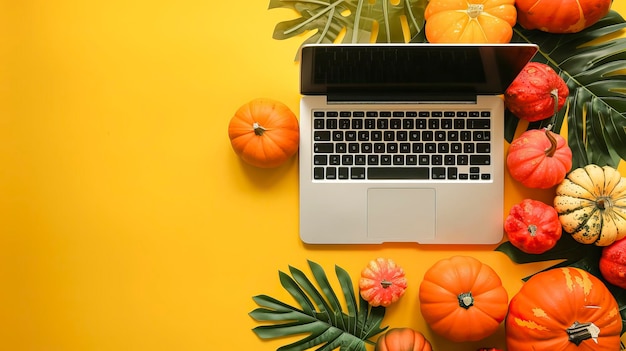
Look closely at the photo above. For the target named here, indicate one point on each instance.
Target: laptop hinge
(401, 97)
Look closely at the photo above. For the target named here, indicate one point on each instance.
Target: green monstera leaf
(595, 72)
(352, 21)
(320, 317)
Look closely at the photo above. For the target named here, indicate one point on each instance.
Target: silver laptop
(404, 142)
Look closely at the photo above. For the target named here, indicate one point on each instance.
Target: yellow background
(126, 221)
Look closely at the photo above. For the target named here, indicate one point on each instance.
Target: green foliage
(595, 72)
(363, 21)
(320, 316)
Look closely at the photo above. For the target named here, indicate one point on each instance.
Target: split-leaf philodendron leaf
(352, 21)
(320, 317)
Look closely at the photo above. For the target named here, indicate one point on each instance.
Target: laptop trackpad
(401, 214)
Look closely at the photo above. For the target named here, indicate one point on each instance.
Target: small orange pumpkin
(470, 21)
(563, 309)
(264, 133)
(462, 299)
(382, 282)
(539, 159)
(402, 339)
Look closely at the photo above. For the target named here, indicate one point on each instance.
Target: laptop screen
(411, 68)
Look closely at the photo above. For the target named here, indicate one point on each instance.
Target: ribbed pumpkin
(532, 226)
(563, 309)
(539, 159)
(402, 339)
(470, 21)
(264, 133)
(382, 282)
(536, 93)
(591, 203)
(560, 16)
(462, 299)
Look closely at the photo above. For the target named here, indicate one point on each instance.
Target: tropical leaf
(595, 72)
(352, 21)
(320, 316)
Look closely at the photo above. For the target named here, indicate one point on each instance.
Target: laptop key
(439, 173)
(474, 123)
(331, 173)
(343, 172)
(318, 173)
(480, 159)
(398, 173)
(320, 160)
(357, 173)
(453, 173)
(323, 147)
(321, 135)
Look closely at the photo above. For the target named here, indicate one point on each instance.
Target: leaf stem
(316, 16)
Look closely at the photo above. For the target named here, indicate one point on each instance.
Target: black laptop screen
(407, 68)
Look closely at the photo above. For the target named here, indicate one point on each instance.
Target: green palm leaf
(362, 21)
(320, 316)
(595, 72)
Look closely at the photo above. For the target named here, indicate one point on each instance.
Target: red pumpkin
(613, 263)
(382, 282)
(533, 226)
(462, 299)
(264, 133)
(560, 16)
(563, 309)
(536, 90)
(402, 339)
(539, 159)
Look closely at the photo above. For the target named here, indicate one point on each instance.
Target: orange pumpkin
(402, 339)
(539, 159)
(264, 133)
(382, 282)
(563, 309)
(561, 16)
(462, 299)
(470, 21)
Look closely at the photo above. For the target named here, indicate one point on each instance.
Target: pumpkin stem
(473, 10)
(603, 203)
(580, 332)
(555, 97)
(385, 284)
(258, 129)
(532, 230)
(552, 149)
(466, 300)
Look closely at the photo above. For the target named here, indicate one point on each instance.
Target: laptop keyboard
(402, 144)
